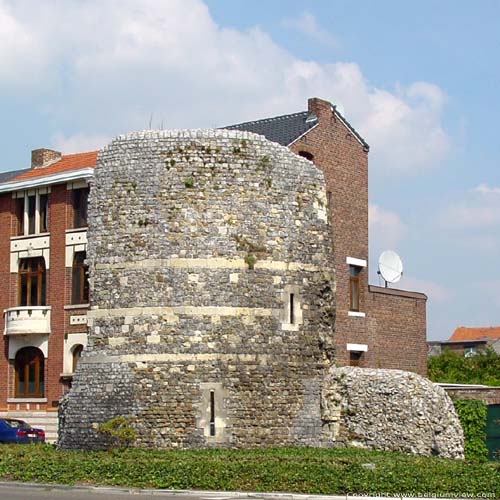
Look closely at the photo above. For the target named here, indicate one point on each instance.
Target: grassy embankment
(300, 470)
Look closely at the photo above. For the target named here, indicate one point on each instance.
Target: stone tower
(211, 277)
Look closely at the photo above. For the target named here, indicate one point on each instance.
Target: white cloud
(104, 67)
(386, 228)
(435, 291)
(308, 25)
(19, 67)
(485, 189)
(478, 208)
(78, 142)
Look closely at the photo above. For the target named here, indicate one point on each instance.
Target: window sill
(356, 314)
(77, 229)
(26, 236)
(66, 375)
(26, 400)
(76, 306)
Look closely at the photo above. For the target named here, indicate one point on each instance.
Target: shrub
(472, 415)
(250, 260)
(484, 368)
(118, 432)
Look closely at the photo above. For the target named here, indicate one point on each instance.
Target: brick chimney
(319, 107)
(42, 157)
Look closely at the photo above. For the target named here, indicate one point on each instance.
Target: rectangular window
(212, 413)
(80, 206)
(32, 282)
(80, 281)
(20, 216)
(32, 214)
(42, 212)
(292, 309)
(355, 358)
(354, 287)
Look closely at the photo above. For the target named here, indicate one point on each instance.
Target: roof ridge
(268, 120)
(78, 154)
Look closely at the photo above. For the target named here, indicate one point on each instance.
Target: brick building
(45, 292)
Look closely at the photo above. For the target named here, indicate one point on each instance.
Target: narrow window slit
(292, 309)
(212, 413)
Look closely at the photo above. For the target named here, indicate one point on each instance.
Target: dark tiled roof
(7, 176)
(281, 129)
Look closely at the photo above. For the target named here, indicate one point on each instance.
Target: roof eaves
(47, 180)
(303, 134)
(266, 120)
(352, 129)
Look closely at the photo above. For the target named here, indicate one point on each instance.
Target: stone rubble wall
(389, 410)
(198, 243)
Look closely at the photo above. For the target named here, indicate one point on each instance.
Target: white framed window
(32, 209)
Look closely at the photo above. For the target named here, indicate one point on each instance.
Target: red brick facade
(39, 410)
(393, 327)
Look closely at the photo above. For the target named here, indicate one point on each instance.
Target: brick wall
(5, 204)
(397, 327)
(58, 293)
(490, 395)
(394, 329)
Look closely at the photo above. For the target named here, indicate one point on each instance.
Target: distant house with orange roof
(469, 341)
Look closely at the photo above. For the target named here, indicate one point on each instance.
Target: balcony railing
(27, 320)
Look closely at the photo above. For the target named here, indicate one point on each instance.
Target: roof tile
(281, 129)
(476, 333)
(65, 164)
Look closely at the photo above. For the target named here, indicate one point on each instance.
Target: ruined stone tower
(212, 314)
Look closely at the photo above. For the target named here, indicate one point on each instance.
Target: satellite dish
(390, 267)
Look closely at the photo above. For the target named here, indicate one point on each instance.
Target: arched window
(32, 278)
(77, 354)
(307, 155)
(80, 282)
(29, 366)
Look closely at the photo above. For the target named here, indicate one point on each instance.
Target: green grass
(299, 470)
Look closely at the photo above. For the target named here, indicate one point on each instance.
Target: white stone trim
(144, 359)
(26, 400)
(76, 241)
(210, 263)
(171, 313)
(72, 340)
(286, 325)
(357, 347)
(84, 173)
(220, 416)
(23, 247)
(17, 342)
(78, 184)
(356, 314)
(352, 261)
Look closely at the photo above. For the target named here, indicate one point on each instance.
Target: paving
(25, 491)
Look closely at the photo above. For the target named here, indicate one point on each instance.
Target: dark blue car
(18, 431)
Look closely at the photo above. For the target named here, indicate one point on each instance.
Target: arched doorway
(29, 379)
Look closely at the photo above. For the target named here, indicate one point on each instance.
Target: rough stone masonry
(212, 288)
(212, 311)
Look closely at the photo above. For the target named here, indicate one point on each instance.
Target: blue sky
(419, 80)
